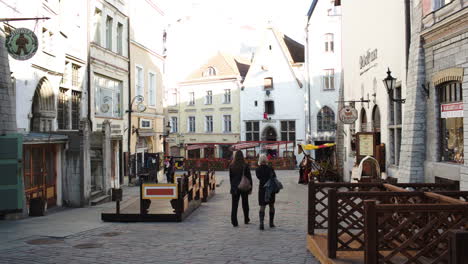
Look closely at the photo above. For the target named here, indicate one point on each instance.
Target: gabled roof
(224, 64)
(291, 48)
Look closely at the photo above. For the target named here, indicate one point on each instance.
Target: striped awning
(448, 75)
(245, 145)
(192, 147)
(275, 145)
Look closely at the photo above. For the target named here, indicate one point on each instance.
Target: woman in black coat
(265, 173)
(236, 169)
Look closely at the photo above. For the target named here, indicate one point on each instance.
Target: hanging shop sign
(22, 44)
(348, 114)
(451, 110)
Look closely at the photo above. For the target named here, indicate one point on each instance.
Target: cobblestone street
(206, 236)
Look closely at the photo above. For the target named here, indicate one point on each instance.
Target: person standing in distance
(264, 173)
(238, 168)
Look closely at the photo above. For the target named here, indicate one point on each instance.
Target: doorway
(269, 134)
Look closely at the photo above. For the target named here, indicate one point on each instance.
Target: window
(62, 109)
(440, 3)
(329, 43)
(152, 89)
(191, 98)
(329, 80)
(268, 83)
(451, 122)
(174, 124)
(326, 119)
(209, 97)
(363, 127)
(173, 99)
(252, 131)
(227, 96)
(145, 123)
(139, 81)
(119, 39)
(76, 109)
(108, 96)
(109, 22)
(270, 107)
(47, 40)
(191, 124)
(288, 130)
(208, 123)
(75, 75)
(66, 74)
(97, 26)
(395, 127)
(227, 124)
(210, 71)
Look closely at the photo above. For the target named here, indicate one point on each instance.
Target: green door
(11, 180)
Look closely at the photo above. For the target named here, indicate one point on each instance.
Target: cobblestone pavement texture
(206, 236)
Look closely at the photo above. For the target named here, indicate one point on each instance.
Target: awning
(192, 147)
(244, 145)
(275, 145)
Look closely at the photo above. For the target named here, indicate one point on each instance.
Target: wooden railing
(405, 229)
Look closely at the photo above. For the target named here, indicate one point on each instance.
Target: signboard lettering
(366, 144)
(21, 44)
(451, 110)
(367, 58)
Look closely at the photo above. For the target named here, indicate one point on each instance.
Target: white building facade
(323, 73)
(272, 99)
(368, 51)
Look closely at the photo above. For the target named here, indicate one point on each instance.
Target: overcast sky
(200, 28)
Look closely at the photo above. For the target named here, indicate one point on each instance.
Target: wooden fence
(390, 223)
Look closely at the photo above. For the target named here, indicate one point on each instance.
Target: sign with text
(348, 114)
(159, 191)
(22, 44)
(451, 110)
(365, 144)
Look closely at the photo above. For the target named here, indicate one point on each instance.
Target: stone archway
(43, 107)
(269, 134)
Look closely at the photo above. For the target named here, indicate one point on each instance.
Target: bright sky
(208, 26)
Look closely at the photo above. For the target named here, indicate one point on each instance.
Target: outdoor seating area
(387, 223)
(166, 202)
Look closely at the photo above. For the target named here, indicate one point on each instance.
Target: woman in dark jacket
(264, 173)
(238, 168)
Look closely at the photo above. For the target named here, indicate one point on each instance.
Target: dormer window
(210, 71)
(268, 83)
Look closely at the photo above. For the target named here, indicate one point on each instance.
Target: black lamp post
(390, 83)
(166, 133)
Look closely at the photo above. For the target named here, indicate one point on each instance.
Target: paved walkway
(207, 236)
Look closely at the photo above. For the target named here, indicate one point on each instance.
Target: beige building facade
(204, 112)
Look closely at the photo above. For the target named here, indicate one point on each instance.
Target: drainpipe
(309, 123)
(129, 98)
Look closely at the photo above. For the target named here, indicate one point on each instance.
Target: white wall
(361, 33)
(288, 97)
(322, 22)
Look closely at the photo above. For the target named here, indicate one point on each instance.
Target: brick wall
(7, 95)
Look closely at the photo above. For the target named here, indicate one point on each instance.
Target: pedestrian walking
(238, 169)
(264, 173)
(170, 171)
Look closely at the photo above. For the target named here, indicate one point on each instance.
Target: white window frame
(152, 90)
(191, 98)
(209, 97)
(174, 124)
(227, 123)
(114, 104)
(189, 127)
(209, 124)
(146, 120)
(109, 28)
(227, 96)
(120, 30)
(329, 42)
(328, 79)
(139, 80)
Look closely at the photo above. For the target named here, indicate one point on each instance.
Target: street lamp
(165, 134)
(390, 83)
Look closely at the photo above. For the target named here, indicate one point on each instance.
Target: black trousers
(235, 205)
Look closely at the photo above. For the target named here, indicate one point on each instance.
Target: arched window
(363, 120)
(43, 107)
(376, 119)
(325, 119)
(451, 122)
(210, 71)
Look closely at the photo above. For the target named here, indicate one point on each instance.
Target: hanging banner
(451, 110)
(348, 114)
(22, 44)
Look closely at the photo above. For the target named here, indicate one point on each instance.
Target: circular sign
(105, 108)
(348, 114)
(141, 108)
(21, 44)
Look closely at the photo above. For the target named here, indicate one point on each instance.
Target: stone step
(101, 199)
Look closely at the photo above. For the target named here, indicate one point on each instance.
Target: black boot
(262, 217)
(272, 216)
